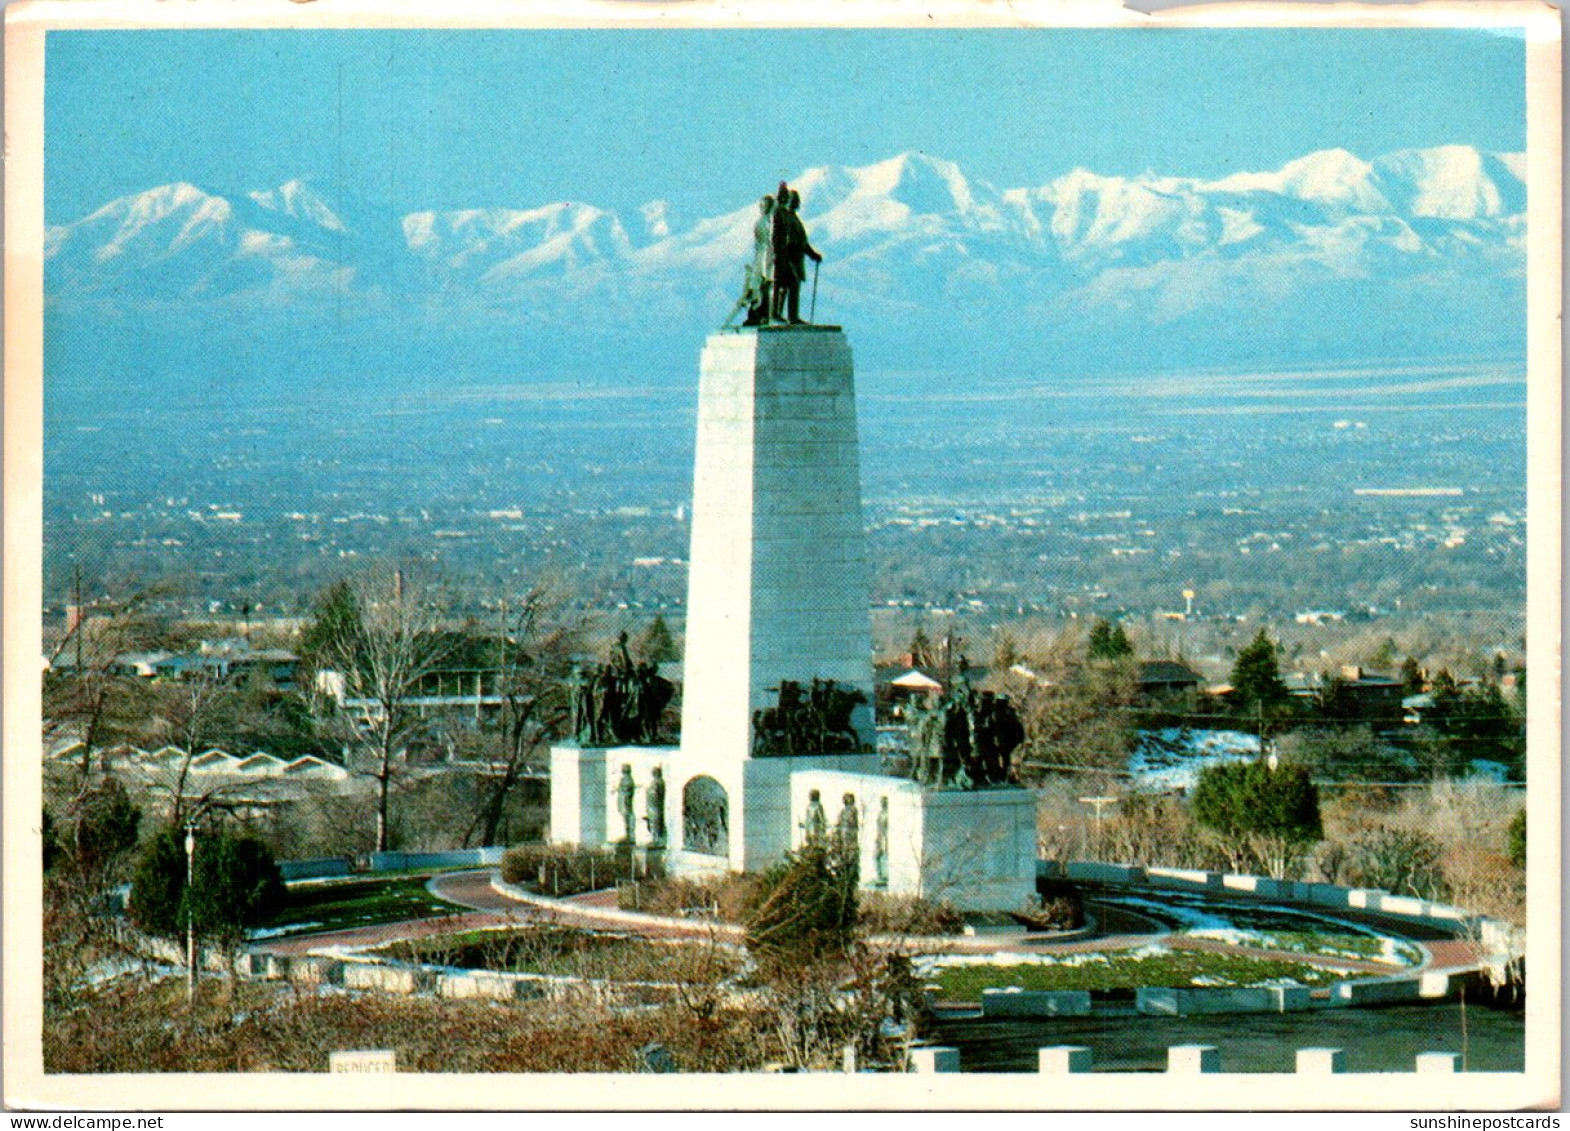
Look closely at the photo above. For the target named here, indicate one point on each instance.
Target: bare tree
(535, 654)
(188, 714)
(384, 653)
(85, 697)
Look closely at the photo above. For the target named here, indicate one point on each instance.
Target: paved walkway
(489, 908)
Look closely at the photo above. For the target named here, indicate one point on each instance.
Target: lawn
(356, 903)
(1146, 967)
(1371, 948)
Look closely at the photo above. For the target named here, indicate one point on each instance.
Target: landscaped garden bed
(557, 870)
(963, 977)
(730, 899)
(1270, 927)
(570, 952)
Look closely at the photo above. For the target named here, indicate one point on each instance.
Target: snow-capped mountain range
(908, 240)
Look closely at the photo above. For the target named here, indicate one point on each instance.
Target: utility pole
(190, 922)
(81, 618)
(1098, 802)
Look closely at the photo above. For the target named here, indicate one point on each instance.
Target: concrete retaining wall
(342, 867)
(458, 858)
(311, 969)
(489, 985)
(1377, 991)
(1010, 1002)
(1496, 935)
(316, 868)
(388, 978)
(1188, 1002)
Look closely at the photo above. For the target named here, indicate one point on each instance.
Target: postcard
(711, 557)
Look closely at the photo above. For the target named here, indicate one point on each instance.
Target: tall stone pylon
(778, 580)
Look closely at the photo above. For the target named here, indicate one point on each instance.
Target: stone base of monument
(586, 795)
(974, 849)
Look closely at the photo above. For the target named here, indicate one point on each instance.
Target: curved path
(488, 908)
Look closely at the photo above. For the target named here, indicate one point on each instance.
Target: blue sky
(708, 119)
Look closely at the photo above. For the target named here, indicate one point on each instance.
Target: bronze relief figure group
(780, 250)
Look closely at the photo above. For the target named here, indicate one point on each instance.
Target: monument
(777, 692)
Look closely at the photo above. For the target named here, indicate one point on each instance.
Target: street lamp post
(1098, 802)
(190, 924)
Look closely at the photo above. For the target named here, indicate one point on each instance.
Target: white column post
(1320, 1062)
(1193, 1058)
(1442, 1063)
(934, 1058)
(1060, 1059)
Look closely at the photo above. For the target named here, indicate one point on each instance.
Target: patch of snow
(1233, 937)
(1191, 917)
(1173, 758)
(274, 932)
(927, 965)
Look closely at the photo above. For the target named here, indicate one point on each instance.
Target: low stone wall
(458, 858)
(486, 984)
(1013, 1002)
(1495, 935)
(1192, 1001)
(1377, 990)
(317, 868)
(343, 867)
(1181, 1060)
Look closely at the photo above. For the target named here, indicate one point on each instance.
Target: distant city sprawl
(1321, 497)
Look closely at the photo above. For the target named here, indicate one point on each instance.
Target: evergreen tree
(656, 645)
(236, 884)
(1256, 678)
(158, 884)
(1411, 677)
(1271, 813)
(805, 907)
(105, 831)
(1119, 645)
(1108, 642)
(921, 651)
(1384, 655)
(1486, 727)
(1005, 650)
(335, 616)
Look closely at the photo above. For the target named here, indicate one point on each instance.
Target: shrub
(556, 869)
(1057, 907)
(881, 914)
(806, 909)
(1516, 839)
(731, 896)
(1403, 861)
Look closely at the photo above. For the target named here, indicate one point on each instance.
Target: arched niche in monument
(705, 817)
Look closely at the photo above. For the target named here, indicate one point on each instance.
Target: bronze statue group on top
(774, 275)
(619, 703)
